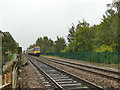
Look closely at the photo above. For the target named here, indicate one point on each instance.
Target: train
(36, 51)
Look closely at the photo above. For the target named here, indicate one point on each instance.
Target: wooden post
(13, 78)
(0, 80)
(20, 83)
(11, 81)
(5, 79)
(8, 79)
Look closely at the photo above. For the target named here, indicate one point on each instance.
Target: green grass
(10, 57)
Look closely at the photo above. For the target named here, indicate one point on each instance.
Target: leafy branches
(8, 43)
(48, 45)
(102, 37)
(83, 37)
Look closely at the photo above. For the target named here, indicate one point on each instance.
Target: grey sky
(27, 20)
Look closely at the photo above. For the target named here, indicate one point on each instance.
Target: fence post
(106, 57)
(90, 56)
(98, 58)
(8, 79)
(13, 78)
(0, 80)
(109, 54)
(20, 83)
(11, 81)
(5, 79)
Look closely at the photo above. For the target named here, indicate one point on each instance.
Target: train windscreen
(37, 49)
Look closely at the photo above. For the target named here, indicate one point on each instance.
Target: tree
(81, 36)
(70, 36)
(101, 37)
(8, 43)
(83, 39)
(39, 42)
(46, 44)
(107, 31)
(60, 44)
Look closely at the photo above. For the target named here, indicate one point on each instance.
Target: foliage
(102, 37)
(70, 36)
(10, 57)
(60, 44)
(104, 48)
(47, 45)
(85, 38)
(8, 43)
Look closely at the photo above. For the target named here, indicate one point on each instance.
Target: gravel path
(106, 83)
(29, 76)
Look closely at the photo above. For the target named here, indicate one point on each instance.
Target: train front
(37, 51)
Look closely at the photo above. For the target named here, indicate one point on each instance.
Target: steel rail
(89, 84)
(53, 81)
(100, 69)
(90, 71)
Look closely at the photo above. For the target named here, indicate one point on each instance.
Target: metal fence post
(109, 54)
(90, 56)
(98, 58)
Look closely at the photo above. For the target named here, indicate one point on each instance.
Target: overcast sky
(27, 20)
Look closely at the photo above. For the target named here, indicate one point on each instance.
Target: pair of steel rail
(79, 66)
(86, 83)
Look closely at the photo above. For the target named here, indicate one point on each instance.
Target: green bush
(10, 57)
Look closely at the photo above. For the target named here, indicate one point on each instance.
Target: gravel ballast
(104, 82)
(29, 76)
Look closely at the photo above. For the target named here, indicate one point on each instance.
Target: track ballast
(61, 79)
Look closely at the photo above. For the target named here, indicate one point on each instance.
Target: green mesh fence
(98, 57)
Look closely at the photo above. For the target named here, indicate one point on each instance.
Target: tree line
(84, 38)
(8, 43)
(48, 45)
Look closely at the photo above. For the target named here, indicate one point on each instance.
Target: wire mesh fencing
(98, 57)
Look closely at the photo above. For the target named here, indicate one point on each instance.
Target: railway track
(114, 75)
(61, 79)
